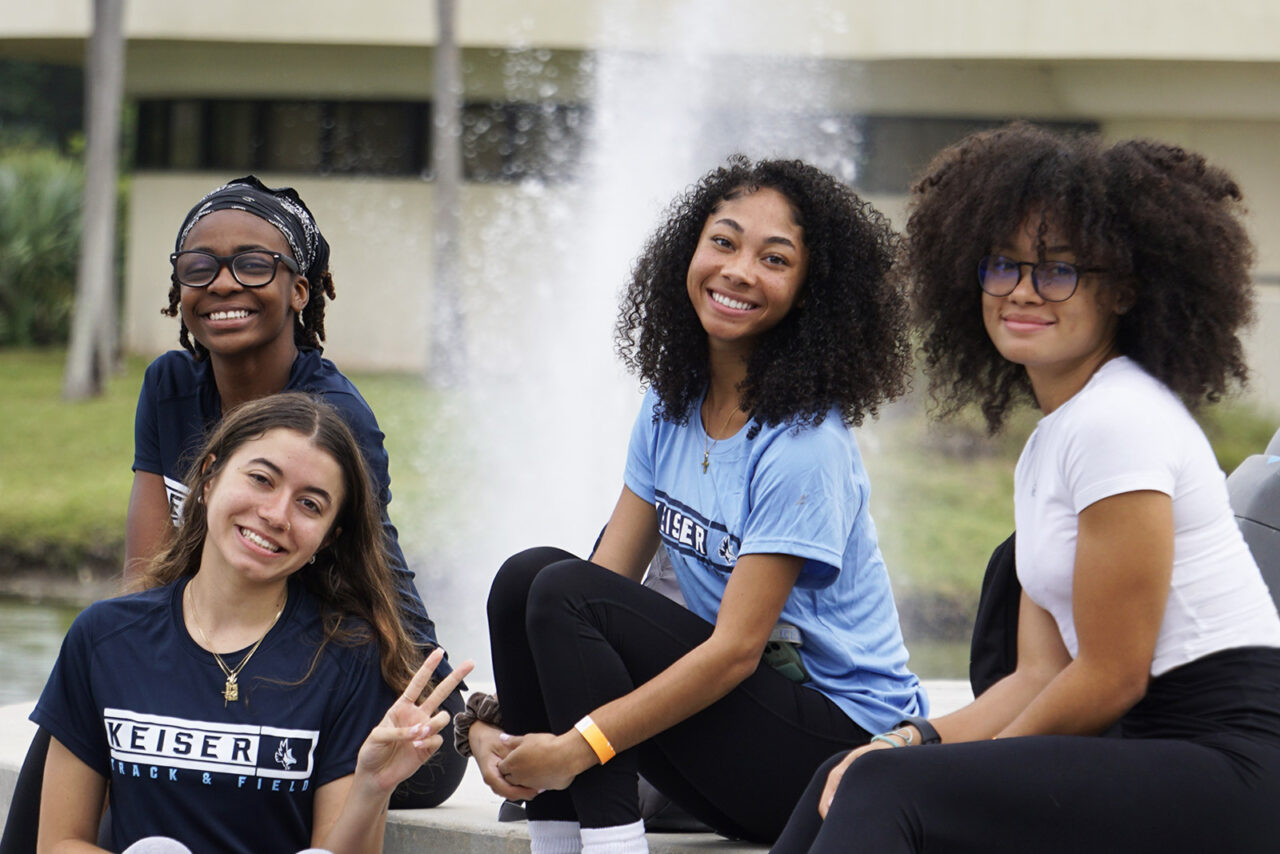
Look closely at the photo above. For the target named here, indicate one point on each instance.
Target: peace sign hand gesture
(409, 733)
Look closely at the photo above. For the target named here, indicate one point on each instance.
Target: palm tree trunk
(446, 360)
(93, 327)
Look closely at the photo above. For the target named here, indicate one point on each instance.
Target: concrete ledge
(467, 823)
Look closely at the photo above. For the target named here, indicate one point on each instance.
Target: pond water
(30, 636)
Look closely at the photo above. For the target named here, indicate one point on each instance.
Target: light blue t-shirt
(791, 490)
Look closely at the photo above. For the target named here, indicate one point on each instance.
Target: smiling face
(270, 507)
(1060, 344)
(229, 319)
(748, 267)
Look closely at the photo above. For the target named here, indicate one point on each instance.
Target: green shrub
(40, 199)
(1237, 429)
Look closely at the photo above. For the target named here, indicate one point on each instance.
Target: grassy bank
(65, 467)
(941, 497)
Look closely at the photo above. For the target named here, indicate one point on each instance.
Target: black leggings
(568, 636)
(1211, 783)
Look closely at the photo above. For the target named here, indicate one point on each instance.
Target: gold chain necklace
(708, 443)
(231, 691)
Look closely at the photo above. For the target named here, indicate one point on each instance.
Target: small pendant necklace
(231, 690)
(708, 443)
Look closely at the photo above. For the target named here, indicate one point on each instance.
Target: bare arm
(71, 800)
(753, 599)
(631, 537)
(1123, 568)
(1120, 586)
(1041, 657)
(147, 526)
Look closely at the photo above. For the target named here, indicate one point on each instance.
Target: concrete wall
(1234, 30)
(380, 259)
(380, 234)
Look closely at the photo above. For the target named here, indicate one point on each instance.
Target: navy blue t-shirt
(139, 702)
(179, 403)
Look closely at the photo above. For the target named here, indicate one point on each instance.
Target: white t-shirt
(1124, 432)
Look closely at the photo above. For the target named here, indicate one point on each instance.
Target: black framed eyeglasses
(1054, 281)
(252, 268)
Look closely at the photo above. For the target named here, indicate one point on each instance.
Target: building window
(377, 138)
(516, 141)
(895, 149)
(506, 141)
(501, 141)
(234, 131)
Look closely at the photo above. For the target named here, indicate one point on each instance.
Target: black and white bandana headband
(281, 207)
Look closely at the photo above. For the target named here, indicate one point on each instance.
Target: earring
(313, 559)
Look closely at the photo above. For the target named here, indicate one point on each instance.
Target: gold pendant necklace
(708, 443)
(231, 690)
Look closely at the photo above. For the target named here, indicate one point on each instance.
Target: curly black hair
(845, 341)
(1162, 223)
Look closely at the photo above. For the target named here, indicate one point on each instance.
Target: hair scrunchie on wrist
(480, 707)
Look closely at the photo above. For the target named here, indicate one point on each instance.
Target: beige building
(580, 112)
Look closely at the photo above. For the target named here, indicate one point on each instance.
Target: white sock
(554, 837)
(619, 839)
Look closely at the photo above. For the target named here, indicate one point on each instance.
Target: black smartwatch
(928, 735)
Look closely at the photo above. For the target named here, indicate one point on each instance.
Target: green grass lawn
(65, 467)
(941, 497)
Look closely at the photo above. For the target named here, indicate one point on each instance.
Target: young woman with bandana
(250, 284)
(1106, 285)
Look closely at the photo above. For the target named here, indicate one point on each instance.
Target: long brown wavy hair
(351, 576)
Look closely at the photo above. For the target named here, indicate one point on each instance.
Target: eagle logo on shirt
(727, 552)
(284, 755)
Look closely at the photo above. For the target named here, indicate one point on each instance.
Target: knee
(551, 591)
(509, 593)
(825, 769)
(874, 782)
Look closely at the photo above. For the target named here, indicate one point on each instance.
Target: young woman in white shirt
(1106, 285)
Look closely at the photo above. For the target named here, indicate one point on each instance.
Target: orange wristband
(596, 739)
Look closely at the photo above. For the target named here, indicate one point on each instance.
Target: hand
(837, 774)
(489, 746)
(409, 733)
(544, 761)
